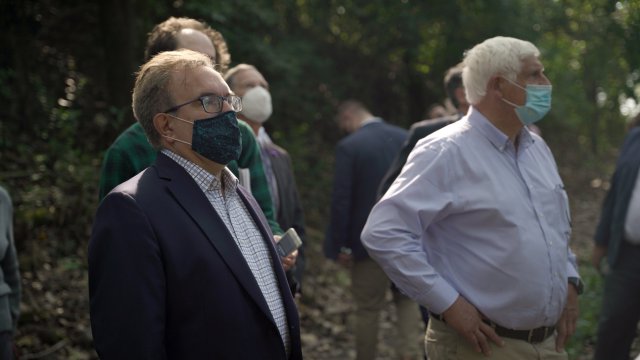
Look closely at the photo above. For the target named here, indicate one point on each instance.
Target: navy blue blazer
(362, 159)
(167, 280)
(610, 230)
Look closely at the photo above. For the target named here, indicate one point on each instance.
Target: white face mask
(256, 104)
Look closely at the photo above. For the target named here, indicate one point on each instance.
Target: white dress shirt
(469, 216)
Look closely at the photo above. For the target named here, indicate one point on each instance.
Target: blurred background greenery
(66, 73)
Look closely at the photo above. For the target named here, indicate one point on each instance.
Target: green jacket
(132, 153)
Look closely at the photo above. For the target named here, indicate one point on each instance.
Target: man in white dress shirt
(476, 227)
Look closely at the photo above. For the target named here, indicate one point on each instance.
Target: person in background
(362, 158)
(247, 82)
(436, 111)
(131, 152)
(182, 264)
(618, 239)
(10, 288)
(455, 91)
(476, 226)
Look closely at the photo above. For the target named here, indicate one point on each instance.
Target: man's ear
(163, 126)
(496, 85)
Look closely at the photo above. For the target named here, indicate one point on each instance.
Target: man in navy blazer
(362, 158)
(618, 239)
(181, 261)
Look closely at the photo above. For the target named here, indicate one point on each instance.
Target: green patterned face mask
(216, 138)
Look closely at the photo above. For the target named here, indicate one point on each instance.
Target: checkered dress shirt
(252, 245)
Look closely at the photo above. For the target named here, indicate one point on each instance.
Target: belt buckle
(532, 332)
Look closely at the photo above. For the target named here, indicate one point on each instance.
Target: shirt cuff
(571, 271)
(440, 297)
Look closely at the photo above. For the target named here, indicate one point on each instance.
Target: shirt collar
(263, 138)
(499, 139)
(205, 180)
(370, 121)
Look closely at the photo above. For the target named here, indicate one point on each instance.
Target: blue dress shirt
(469, 215)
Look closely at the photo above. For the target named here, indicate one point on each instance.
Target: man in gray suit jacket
(247, 82)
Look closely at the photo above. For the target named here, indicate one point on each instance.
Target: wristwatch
(577, 283)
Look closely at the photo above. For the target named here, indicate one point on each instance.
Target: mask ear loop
(510, 103)
(515, 83)
(178, 140)
(518, 86)
(179, 118)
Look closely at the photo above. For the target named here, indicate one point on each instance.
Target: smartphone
(288, 243)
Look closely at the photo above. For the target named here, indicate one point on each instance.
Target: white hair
(496, 56)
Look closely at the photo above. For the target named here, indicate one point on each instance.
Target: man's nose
(226, 106)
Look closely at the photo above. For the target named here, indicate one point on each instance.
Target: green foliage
(583, 50)
(65, 84)
(590, 302)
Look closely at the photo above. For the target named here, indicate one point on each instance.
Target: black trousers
(620, 306)
(6, 346)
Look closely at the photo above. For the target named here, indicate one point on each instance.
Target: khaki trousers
(369, 285)
(444, 343)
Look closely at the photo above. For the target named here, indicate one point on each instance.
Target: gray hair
(151, 91)
(496, 56)
(231, 73)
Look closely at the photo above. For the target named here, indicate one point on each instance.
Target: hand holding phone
(288, 243)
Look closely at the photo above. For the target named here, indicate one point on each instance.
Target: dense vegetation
(66, 77)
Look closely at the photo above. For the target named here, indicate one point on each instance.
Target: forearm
(402, 258)
(394, 236)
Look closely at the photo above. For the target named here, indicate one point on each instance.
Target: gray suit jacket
(289, 212)
(9, 271)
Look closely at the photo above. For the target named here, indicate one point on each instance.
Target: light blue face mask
(537, 105)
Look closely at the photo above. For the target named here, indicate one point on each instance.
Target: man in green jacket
(132, 153)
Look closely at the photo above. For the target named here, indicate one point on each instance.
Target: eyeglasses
(213, 103)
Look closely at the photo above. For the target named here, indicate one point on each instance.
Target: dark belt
(533, 336)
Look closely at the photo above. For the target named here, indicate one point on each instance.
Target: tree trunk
(119, 41)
